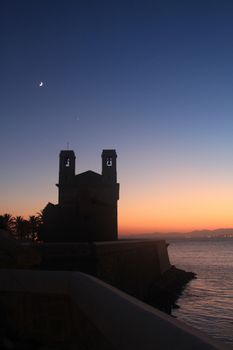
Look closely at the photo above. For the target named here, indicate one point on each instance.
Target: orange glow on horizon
(177, 210)
(168, 214)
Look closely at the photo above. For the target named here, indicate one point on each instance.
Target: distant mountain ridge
(220, 232)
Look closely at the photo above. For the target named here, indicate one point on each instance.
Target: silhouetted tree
(7, 222)
(34, 222)
(40, 216)
(22, 227)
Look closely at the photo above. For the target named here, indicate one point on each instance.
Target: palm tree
(21, 227)
(34, 222)
(6, 222)
(40, 216)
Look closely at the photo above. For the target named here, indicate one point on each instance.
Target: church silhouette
(87, 203)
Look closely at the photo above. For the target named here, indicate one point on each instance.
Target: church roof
(88, 177)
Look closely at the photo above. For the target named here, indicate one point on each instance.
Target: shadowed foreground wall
(71, 310)
(51, 319)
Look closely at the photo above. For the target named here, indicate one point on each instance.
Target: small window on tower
(109, 161)
(67, 162)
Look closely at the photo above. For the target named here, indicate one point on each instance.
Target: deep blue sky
(153, 79)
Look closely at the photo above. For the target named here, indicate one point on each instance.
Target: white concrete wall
(125, 322)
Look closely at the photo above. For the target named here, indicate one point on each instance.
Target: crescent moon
(41, 84)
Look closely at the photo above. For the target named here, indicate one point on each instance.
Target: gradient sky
(152, 79)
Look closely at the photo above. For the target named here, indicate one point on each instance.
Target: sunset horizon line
(123, 231)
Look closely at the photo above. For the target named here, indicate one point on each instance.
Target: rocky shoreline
(166, 290)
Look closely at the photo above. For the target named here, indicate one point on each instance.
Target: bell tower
(111, 194)
(109, 172)
(66, 166)
(66, 173)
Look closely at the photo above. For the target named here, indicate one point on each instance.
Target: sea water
(207, 302)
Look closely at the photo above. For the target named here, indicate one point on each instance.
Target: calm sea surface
(207, 302)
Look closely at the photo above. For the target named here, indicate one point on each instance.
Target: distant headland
(217, 233)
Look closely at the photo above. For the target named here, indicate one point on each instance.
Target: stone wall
(131, 265)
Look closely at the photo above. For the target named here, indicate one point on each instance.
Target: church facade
(87, 203)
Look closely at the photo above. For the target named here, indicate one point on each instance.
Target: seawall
(139, 267)
(132, 266)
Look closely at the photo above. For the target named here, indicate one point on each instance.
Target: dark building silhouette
(87, 202)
